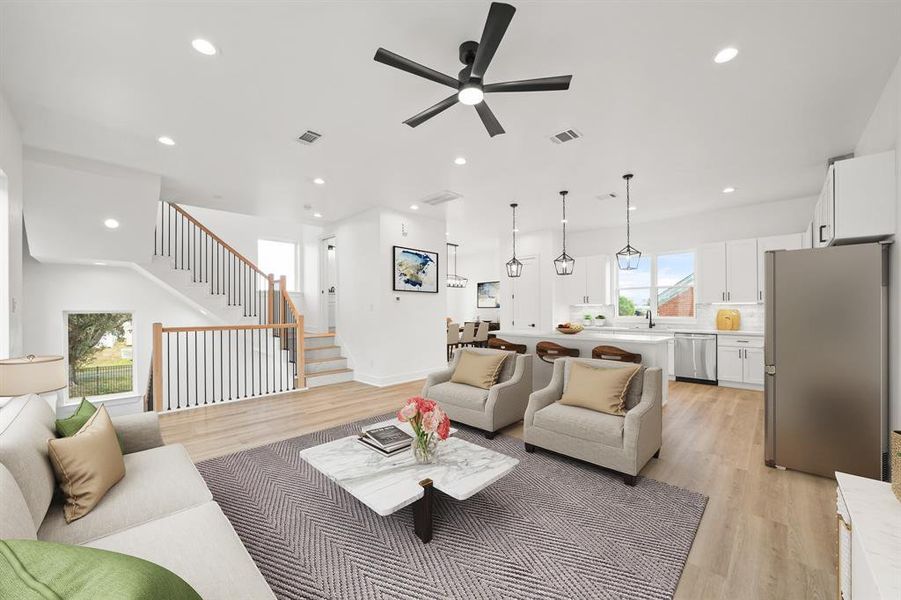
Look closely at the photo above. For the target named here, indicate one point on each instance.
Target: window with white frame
(279, 258)
(663, 283)
(100, 353)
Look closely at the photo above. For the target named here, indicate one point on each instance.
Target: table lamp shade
(32, 375)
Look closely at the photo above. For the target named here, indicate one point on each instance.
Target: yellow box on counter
(728, 319)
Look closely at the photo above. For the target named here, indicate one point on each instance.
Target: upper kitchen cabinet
(589, 282)
(727, 272)
(857, 203)
(791, 241)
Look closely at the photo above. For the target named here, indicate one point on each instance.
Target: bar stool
(549, 351)
(499, 344)
(482, 334)
(453, 338)
(614, 353)
(469, 334)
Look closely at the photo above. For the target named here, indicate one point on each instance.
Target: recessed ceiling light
(165, 140)
(728, 190)
(317, 215)
(459, 161)
(111, 223)
(725, 55)
(414, 207)
(319, 181)
(447, 233)
(204, 46)
(100, 264)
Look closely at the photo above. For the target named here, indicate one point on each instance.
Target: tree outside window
(101, 353)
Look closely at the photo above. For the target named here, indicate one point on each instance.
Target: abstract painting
(415, 270)
(488, 294)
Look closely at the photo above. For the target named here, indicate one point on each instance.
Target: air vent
(309, 137)
(441, 198)
(566, 135)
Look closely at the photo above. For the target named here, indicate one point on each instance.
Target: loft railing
(212, 261)
(204, 365)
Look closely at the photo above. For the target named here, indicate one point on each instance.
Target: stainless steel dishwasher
(696, 357)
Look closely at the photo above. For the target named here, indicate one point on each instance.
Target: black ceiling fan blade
(499, 17)
(431, 111)
(489, 120)
(386, 57)
(542, 84)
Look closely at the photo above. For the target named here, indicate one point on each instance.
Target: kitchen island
(652, 347)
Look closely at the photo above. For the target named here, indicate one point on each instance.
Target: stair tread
(332, 372)
(323, 360)
(313, 348)
(307, 335)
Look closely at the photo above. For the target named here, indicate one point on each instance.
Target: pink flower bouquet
(429, 423)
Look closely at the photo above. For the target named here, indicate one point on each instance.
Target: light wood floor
(765, 534)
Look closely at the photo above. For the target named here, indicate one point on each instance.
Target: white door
(597, 278)
(729, 363)
(712, 273)
(526, 296)
(741, 271)
(753, 366)
(792, 241)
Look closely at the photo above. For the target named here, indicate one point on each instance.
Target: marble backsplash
(752, 315)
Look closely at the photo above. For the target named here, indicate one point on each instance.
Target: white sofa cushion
(589, 425)
(26, 423)
(200, 546)
(15, 518)
(158, 482)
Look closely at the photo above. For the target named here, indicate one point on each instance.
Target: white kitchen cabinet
(711, 273)
(752, 366)
(741, 271)
(589, 282)
(791, 241)
(739, 361)
(857, 202)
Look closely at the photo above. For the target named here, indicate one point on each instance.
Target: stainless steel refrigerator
(826, 358)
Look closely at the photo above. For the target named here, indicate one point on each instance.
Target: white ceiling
(104, 80)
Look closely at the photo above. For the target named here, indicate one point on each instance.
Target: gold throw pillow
(598, 388)
(478, 370)
(87, 464)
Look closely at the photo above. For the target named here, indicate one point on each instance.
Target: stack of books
(388, 440)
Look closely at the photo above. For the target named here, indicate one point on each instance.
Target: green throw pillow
(70, 425)
(34, 570)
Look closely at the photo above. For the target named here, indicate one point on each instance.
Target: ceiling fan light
(470, 94)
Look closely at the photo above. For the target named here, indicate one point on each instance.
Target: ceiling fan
(469, 82)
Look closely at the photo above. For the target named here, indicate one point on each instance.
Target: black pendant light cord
(514, 230)
(628, 219)
(564, 220)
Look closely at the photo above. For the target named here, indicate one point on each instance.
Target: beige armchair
(622, 443)
(501, 405)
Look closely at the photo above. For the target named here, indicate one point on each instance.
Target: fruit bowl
(569, 328)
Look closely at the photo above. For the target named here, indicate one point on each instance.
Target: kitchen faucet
(650, 317)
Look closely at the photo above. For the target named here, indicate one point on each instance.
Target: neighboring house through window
(664, 284)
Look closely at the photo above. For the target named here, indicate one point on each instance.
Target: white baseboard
(388, 380)
(739, 385)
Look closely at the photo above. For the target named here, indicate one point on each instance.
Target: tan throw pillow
(87, 464)
(478, 370)
(599, 388)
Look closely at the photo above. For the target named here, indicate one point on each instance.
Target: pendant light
(454, 280)
(514, 266)
(628, 258)
(564, 263)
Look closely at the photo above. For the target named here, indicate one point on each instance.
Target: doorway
(328, 276)
(526, 298)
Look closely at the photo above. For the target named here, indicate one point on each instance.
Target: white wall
(11, 297)
(481, 264)
(242, 232)
(52, 289)
(882, 133)
(388, 336)
(67, 200)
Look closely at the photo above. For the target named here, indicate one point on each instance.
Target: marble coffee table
(388, 483)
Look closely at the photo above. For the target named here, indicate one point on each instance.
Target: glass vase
(425, 450)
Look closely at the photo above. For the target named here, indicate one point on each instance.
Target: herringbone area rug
(554, 528)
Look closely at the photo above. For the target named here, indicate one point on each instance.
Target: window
(663, 284)
(279, 258)
(101, 353)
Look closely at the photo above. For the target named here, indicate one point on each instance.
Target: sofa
(161, 511)
(489, 410)
(621, 443)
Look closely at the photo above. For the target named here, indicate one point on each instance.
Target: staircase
(324, 363)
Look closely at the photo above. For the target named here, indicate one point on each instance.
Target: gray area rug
(554, 528)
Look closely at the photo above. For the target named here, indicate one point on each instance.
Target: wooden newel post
(156, 367)
(270, 300)
(300, 358)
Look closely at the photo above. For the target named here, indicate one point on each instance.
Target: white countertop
(593, 335)
(876, 523)
(670, 330)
